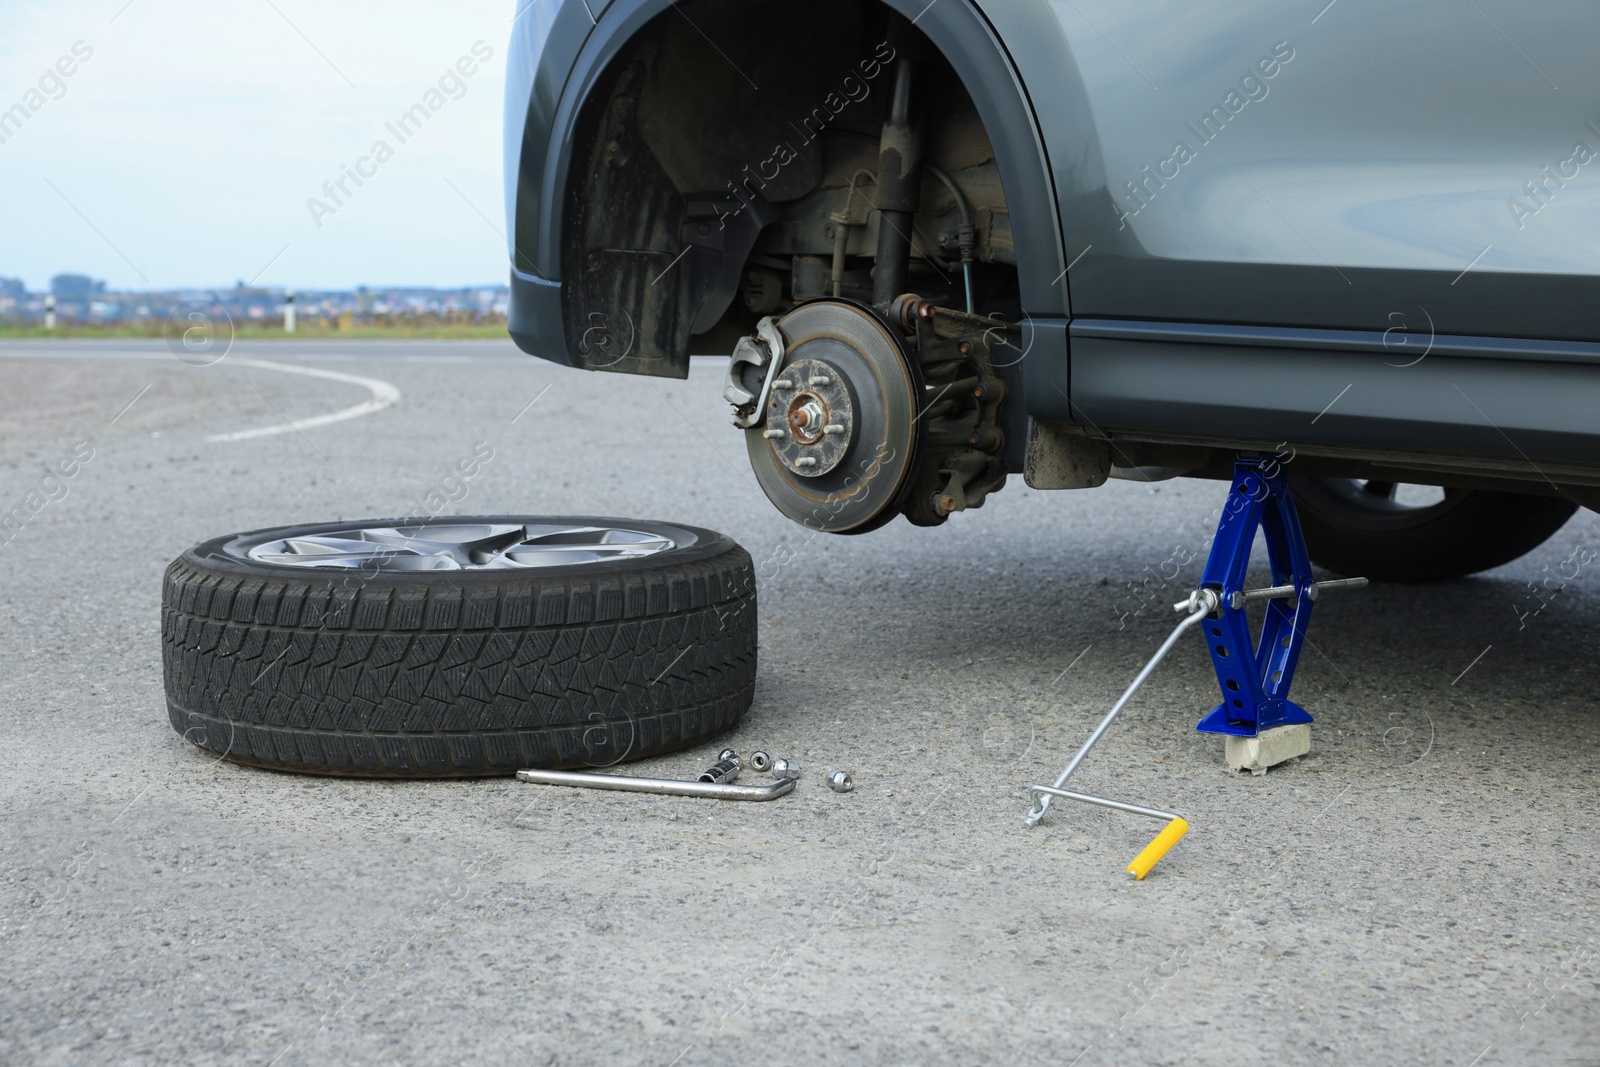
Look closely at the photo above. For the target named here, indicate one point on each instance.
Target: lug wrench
(663, 786)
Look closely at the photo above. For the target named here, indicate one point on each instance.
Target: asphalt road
(1420, 889)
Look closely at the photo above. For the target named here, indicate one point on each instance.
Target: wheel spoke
(582, 535)
(538, 558)
(626, 548)
(335, 545)
(333, 559)
(459, 535)
(387, 560)
(550, 555)
(486, 551)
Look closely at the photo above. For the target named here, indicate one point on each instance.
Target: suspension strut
(899, 188)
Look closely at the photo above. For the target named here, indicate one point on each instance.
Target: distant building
(81, 298)
(76, 287)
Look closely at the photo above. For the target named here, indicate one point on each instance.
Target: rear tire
(1359, 529)
(388, 672)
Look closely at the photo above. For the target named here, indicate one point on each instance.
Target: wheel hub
(810, 418)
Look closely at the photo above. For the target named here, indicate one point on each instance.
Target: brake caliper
(751, 371)
(962, 462)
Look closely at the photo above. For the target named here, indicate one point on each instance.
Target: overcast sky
(183, 151)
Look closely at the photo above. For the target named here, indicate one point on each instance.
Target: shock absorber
(899, 188)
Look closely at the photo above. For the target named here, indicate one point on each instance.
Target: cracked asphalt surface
(1421, 888)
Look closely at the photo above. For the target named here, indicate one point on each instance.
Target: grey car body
(1369, 233)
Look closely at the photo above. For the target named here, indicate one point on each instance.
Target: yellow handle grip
(1144, 861)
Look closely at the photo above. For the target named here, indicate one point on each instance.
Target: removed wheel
(458, 647)
(1362, 528)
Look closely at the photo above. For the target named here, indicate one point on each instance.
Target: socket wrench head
(785, 768)
(722, 772)
(760, 761)
(840, 781)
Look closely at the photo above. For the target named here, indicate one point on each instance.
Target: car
(945, 242)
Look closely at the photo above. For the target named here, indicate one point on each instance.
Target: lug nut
(785, 768)
(840, 781)
(727, 754)
(760, 761)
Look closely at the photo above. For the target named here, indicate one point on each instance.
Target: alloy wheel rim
(459, 546)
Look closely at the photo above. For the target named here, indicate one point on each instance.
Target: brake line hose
(842, 224)
(967, 233)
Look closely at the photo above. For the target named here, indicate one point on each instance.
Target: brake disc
(840, 434)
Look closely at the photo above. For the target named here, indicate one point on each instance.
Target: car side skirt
(1525, 407)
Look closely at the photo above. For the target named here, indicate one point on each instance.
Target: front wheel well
(724, 168)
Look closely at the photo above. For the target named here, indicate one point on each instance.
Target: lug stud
(820, 381)
(806, 461)
(833, 428)
(774, 435)
(783, 383)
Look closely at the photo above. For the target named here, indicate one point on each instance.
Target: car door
(1331, 164)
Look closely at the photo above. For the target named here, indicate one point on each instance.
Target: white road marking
(383, 395)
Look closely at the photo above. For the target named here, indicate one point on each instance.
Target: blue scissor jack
(1254, 675)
